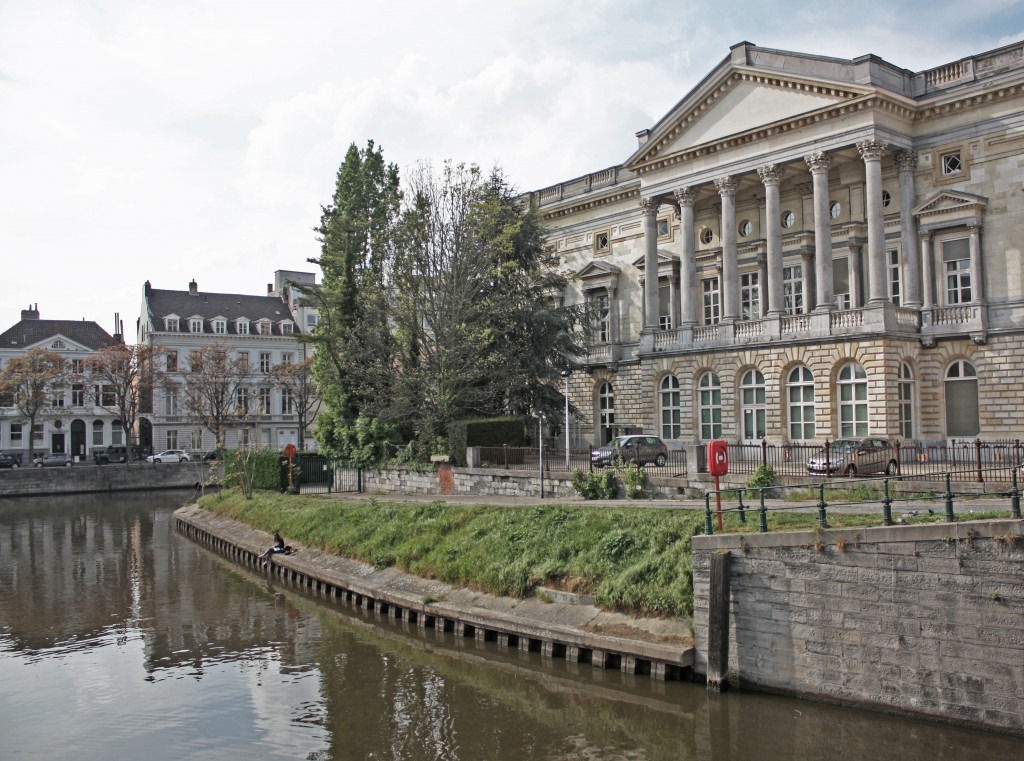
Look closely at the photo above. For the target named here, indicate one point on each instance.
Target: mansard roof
(209, 306)
(28, 333)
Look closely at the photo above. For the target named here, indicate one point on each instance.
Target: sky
(146, 140)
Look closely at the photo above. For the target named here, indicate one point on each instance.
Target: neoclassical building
(804, 248)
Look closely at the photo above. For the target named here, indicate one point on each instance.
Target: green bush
(603, 485)
(262, 469)
(633, 478)
(763, 477)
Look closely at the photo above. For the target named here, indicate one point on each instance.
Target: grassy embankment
(630, 559)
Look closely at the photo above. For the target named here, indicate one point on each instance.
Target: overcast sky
(165, 141)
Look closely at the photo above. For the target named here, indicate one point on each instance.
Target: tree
(297, 381)
(352, 360)
(216, 389)
(32, 381)
(123, 377)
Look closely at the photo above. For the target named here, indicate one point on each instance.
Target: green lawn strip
(632, 560)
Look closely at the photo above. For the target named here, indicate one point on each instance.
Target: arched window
(671, 414)
(905, 394)
(752, 406)
(853, 400)
(800, 396)
(709, 393)
(606, 413)
(961, 385)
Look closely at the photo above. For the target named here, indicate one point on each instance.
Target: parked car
(9, 461)
(853, 457)
(170, 455)
(640, 449)
(214, 455)
(54, 460)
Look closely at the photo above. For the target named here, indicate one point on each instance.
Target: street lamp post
(540, 442)
(565, 377)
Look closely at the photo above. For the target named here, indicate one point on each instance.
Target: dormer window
(264, 327)
(220, 325)
(286, 327)
(195, 325)
(171, 324)
(242, 327)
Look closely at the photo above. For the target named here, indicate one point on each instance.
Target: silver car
(170, 455)
(853, 457)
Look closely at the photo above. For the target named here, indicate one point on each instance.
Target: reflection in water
(133, 642)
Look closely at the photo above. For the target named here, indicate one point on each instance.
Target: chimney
(642, 137)
(147, 288)
(32, 313)
(193, 288)
(270, 289)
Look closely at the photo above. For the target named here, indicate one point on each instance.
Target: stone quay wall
(91, 479)
(925, 620)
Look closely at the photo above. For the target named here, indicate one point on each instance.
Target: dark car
(54, 460)
(641, 449)
(214, 455)
(9, 461)
(852, 457)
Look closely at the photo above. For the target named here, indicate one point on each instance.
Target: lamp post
(565, 377)
(540, 442)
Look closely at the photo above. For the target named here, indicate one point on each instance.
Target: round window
(706, 235)
(886, 199)
(835, 209)
(745, 228)
(788, 219)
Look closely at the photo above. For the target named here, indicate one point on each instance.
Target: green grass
(631, 560)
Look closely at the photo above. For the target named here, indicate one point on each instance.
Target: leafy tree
(297, 380)
(124, 376)
(217, 389)
(32, 381)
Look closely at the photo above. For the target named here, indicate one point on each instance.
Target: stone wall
(925, 619)
(475, 482)
(84, 479)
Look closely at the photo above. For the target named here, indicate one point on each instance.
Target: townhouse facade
(258, 332)
(73, 423)
(806, 248)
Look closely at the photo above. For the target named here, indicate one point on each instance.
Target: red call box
(718, 457)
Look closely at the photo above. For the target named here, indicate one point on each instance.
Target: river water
(121, 639)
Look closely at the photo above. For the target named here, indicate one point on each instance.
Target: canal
(122, 639)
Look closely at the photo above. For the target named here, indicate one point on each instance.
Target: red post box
(718, 458)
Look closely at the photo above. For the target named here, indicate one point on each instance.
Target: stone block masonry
(925, 620)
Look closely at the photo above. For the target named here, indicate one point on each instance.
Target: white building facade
(805, 248)
(262, 331)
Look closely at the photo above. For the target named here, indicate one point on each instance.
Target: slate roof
(29, 332)
(230, 306)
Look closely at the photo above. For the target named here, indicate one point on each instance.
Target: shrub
(603, 485)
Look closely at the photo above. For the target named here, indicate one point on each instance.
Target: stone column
(808, 278)
(928, 268)
(906, 162)
(819, 163)
(688, 267)
(977, 278)
(771, 176)
(854, 265)
(730, 276)
(871, 152)
(649, 207)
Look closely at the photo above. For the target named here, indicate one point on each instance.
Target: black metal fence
(560, 460)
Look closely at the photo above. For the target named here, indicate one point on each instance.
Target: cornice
(591, 202)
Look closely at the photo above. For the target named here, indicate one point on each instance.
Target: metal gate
(318, 475)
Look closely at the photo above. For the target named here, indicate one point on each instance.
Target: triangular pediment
(58, 343)
(951, 202)
(666, 259)
(593, 270)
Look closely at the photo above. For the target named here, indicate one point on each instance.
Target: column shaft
(649, 206)
(871, 152)
(771, 177)
(688, 267)
(819, 164)
(906, 161)
(730, 269)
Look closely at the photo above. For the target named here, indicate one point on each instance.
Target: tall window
(665, 306)
(709, 402)
(15, 435)
(600, 326)
(956, 258)
(853, 400)
(264, 361)
(243, 361)
(115, 435)
(800, 393)
(750, 296)
(197, 439)
(712, 300)
(242, 401)
(671, 409)
(172, 361)
(892, 264)
(752, 406)
(606, 412)
(170, 403)
(171, 440)
(961, 386)
(793, 289)
(78, 366)
(77, 395)
(841, 282)
(287, 402)
(264, 408)
(905, 395)
(97, 433)
(287, 358)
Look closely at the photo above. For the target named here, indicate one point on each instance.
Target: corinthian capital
(819, 162)
(726, 186)
(650, 205)
(686, 196)
(770, 174)
(906, 161)
(871, 150)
